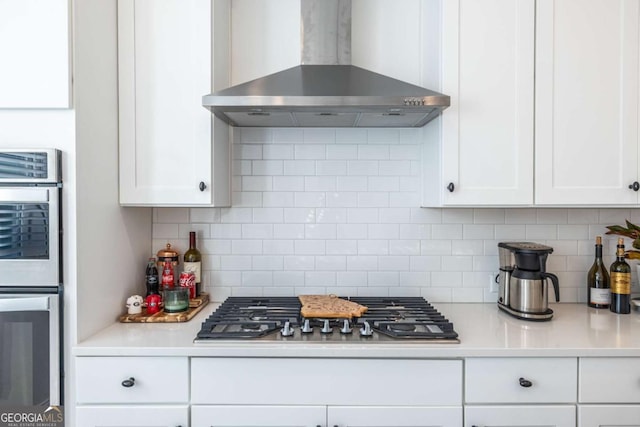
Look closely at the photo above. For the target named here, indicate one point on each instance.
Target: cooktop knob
(346, 329)
(326, 328)
(306, 328)
(366, 330)
(287, 331)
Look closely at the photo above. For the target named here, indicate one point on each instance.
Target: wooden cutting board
(195, 305)
(329, 306)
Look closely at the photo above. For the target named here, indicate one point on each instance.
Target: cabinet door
(34, 47)
(586, 102)
(132, 416)
(487, 132)
(165, 63)
(258, 416)
(513, 416)
(608, 415)
(382, 416)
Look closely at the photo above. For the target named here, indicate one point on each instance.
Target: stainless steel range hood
(326, 91)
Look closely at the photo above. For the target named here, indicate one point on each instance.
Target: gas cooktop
(401, 319)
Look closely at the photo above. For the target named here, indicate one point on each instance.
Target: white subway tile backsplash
(299, 215)
(362, 167)
(267, 167)
(383, 231)
(342, 199)
(299, 167)
(288, 278)
(331, 215)
(342, 152)
(337, 210)
(277, 152)
(288, 231)
(320, 231)
(351, 136)
(277, 199)
(352, 183)
(552, 216)
(320, 183)
(331, 167)
(299, 263)
(202, 215)
(268, 215)
(243, 247)
(309, 247)
(373, 247)
(404, 247)
(384, 183)
(311, 199)
(309, 152)
(331, 262)
(268, 262)
(277, 247)
(373, 199)
(351, 279)
(342, 247)
(257, 231)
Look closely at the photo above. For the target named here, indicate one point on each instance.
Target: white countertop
(484, 331)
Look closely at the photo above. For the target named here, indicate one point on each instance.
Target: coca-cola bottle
(151, 278)
(168, 276)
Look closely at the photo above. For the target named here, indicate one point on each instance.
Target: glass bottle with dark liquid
(620, 282)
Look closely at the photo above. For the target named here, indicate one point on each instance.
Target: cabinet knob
(525, 383)
(129, 383)
(451, 187)
(635, 186)
(202, 186)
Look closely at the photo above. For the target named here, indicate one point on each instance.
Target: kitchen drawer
(275, 381)
(497, 380)
(609, 380)
(156, 379)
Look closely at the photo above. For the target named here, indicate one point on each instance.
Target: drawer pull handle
(635, 186)
(525, 383)
(129, 383)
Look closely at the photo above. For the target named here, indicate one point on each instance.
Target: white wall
(112, 241)
(336, 211)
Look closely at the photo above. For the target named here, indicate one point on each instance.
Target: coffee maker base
(536, 317)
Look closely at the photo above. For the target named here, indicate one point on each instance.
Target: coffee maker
(523, 290)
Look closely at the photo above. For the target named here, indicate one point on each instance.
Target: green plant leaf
(621, 231)
(632, 226)
(632, 254)
(636, 243)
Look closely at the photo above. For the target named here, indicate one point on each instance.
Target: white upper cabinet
(586, 102)
(34, 47)
(484, 154)
(172, 151)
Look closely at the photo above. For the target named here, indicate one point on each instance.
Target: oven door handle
(24, 195)
(24, 304)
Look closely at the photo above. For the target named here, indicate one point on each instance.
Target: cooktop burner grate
(278, 318)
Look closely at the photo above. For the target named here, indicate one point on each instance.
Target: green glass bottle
(193, 261)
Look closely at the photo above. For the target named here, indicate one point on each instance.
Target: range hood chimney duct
(326, 90)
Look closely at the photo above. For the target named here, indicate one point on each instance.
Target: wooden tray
(195, 305)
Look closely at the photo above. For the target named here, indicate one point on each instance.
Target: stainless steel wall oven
(30, 277)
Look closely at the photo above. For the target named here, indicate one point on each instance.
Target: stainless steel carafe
(523, 280)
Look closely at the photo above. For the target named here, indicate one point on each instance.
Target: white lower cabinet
(132, 416)
(513, 416)
(509, 392)
(609, 415)
(609, 392)
(314, 416)
(312, 392)
(132, 391)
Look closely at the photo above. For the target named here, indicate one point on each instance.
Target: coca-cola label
(195, 267)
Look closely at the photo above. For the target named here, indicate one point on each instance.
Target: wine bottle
(193, 261)
(620, 282)
(598, 288)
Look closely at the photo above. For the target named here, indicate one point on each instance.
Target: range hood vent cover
(326, 91)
